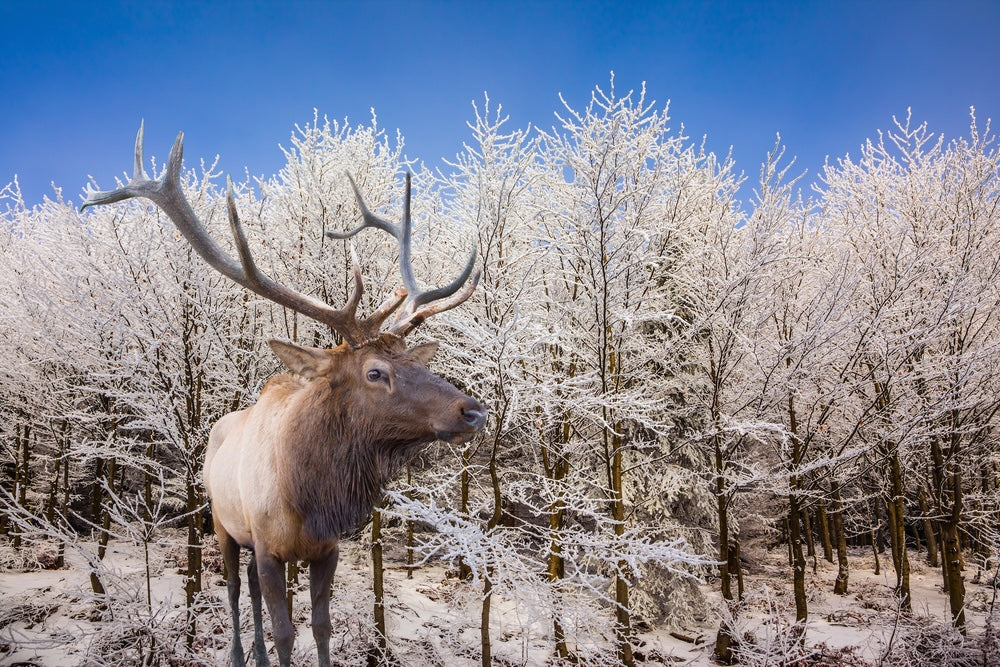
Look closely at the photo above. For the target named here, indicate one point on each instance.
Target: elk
(304, 466)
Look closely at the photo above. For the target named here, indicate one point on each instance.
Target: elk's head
(384, 384)
(386, 392)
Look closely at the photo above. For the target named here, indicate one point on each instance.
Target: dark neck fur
(332, 469)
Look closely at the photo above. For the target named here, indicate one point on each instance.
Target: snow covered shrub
(926, 642)
(24, 611)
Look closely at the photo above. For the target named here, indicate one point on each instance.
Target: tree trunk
(485, 643)
(953, 573)
(722, 512)
(873, 532)
(464, 571)
(409, 525)
(807, 534)
(930, 538)
(948, 483)
(798, 559)
(61, 558)
(623, 615)
(824, 531)
(192, 585)
(737, 566)
(840, 538)
(787, 530)
(52, 500)
(897, 532)
(378, 587)
(22, 472)
(110, 468)
(555, 463)
(484, 623)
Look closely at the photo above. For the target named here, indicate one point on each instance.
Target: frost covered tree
(919, 217)
(620, 192)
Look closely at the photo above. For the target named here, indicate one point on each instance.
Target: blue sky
(77, 77)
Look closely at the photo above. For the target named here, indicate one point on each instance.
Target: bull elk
(304, 466)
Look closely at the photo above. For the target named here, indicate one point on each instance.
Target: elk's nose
(474, 415)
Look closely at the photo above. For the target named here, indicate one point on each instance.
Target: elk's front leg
(271, 572)
(320, 574)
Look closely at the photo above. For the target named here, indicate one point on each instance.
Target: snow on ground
(49, 617)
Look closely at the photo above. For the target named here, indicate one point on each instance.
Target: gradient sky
(77, 77)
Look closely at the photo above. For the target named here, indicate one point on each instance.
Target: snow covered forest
(683, 388)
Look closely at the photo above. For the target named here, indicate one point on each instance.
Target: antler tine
(168, 195)
(129, 190)
(138, 170)
(411, 314)
(370, 219)
(418, 297)
(411, 321)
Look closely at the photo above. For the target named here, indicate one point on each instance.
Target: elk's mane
(336, 461)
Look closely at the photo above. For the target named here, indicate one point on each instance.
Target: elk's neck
(332, 469)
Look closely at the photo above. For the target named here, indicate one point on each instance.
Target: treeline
(674, 376)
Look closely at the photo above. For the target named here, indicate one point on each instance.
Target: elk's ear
(424, 352)
(301, 360)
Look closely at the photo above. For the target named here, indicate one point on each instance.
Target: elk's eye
(374, 375)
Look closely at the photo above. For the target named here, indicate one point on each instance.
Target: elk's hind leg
(259, 649)
(231, 557)
(320, 574)
(272, 586)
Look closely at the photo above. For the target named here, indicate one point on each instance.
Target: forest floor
(49, 617)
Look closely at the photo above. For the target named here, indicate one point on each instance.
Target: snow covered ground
(49, 617)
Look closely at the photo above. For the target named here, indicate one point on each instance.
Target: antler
(419, 303)
(168, 195)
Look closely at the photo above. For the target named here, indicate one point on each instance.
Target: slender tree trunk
(873, 531)
(807, 533)
(787, 535)
(61, 558)
(948, 482)
(953, 553)
(930, 538)
(52, 499)
(736, 565)
(798, 558)
(464, 571)
(105, 474)
(110, 468)
(723, 639)
(22, 472)
(192, 585)
(897, 532)
(556, 466)
(378, 587)
(147, 484)
(824, 531)
(840, 538)
(486, 646)
(409, 525)
(623, 616)
(953, 573)
(722, 512)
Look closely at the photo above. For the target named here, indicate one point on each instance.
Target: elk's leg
(259, 649)
(272, 584)
(320, 574)
(231, 557)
